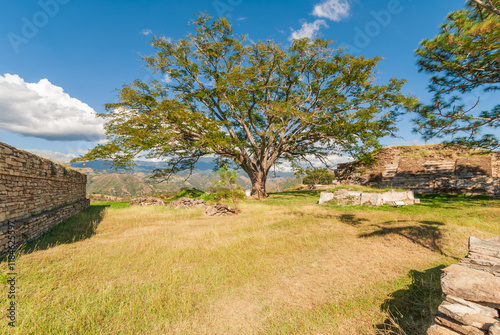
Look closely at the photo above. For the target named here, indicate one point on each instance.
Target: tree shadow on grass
(411, 309)
(79, 227)
(427, 233)
(351, 219)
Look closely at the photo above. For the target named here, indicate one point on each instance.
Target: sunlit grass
(283, 266)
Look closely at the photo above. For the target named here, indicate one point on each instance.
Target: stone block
(393, 196)
(375, 199)
(324, 197)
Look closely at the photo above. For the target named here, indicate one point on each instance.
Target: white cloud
(55, 155)
(167, 79)
(334, 10)
(308, 29)
(43, 110)
(146, 32)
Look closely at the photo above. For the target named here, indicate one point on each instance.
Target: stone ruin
(146, 201)
(471, 292)
(428, 169)
(346, 197)
(36, 195)
(188, 203)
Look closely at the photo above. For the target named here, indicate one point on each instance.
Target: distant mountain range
(204, 164)
(102, 179)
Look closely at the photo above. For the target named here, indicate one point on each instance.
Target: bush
(189, 193)
(227, 187)
(318, 176)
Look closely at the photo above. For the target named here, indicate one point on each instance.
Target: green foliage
(163, 195)
(464, 57)
(254, 104)
(318, 176)
(189, 193)
(226, 187)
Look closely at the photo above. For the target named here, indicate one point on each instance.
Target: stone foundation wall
(437, 170)
(36, 194)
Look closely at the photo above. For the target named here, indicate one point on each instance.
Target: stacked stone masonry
(36, 194)
(471, 292)
(439, 170)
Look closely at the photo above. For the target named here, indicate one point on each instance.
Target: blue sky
(66, 57)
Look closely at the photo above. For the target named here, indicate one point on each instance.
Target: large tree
(253, 104)
(464, 59)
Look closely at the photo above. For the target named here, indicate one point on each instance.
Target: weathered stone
(428, 170)
(477, 256)
(188, 203)
(485, 310)
(30, 190)
(324, 197)
(440, 330)
(146, 201)
(219, 209)
(375, 199)
(484, 247)
(393, 196)
(470, 284)
(466, 315)
(448, 322)
(494, 329)
(346, 197)
(491, 266)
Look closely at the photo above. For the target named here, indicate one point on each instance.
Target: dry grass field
(283, 266)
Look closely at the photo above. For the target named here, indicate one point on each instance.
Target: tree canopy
(318, 176)
(464, 58)
(253, 104)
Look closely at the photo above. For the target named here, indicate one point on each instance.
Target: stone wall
(471, 292)
(428, 169)
(36, 194)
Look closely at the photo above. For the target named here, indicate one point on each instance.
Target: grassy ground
(283, 266)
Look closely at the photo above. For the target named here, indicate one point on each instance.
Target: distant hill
(103, 180)
(204, 164)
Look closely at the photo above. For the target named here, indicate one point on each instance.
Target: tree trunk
(258, 184)
(258, 177)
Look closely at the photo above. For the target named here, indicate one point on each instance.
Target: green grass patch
(283, 266)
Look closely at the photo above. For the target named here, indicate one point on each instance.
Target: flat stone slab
(472, 285)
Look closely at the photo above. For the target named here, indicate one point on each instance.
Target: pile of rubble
(147, 201)
(346, 197)
(471, 292)
(188, 203)
(219, 210)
